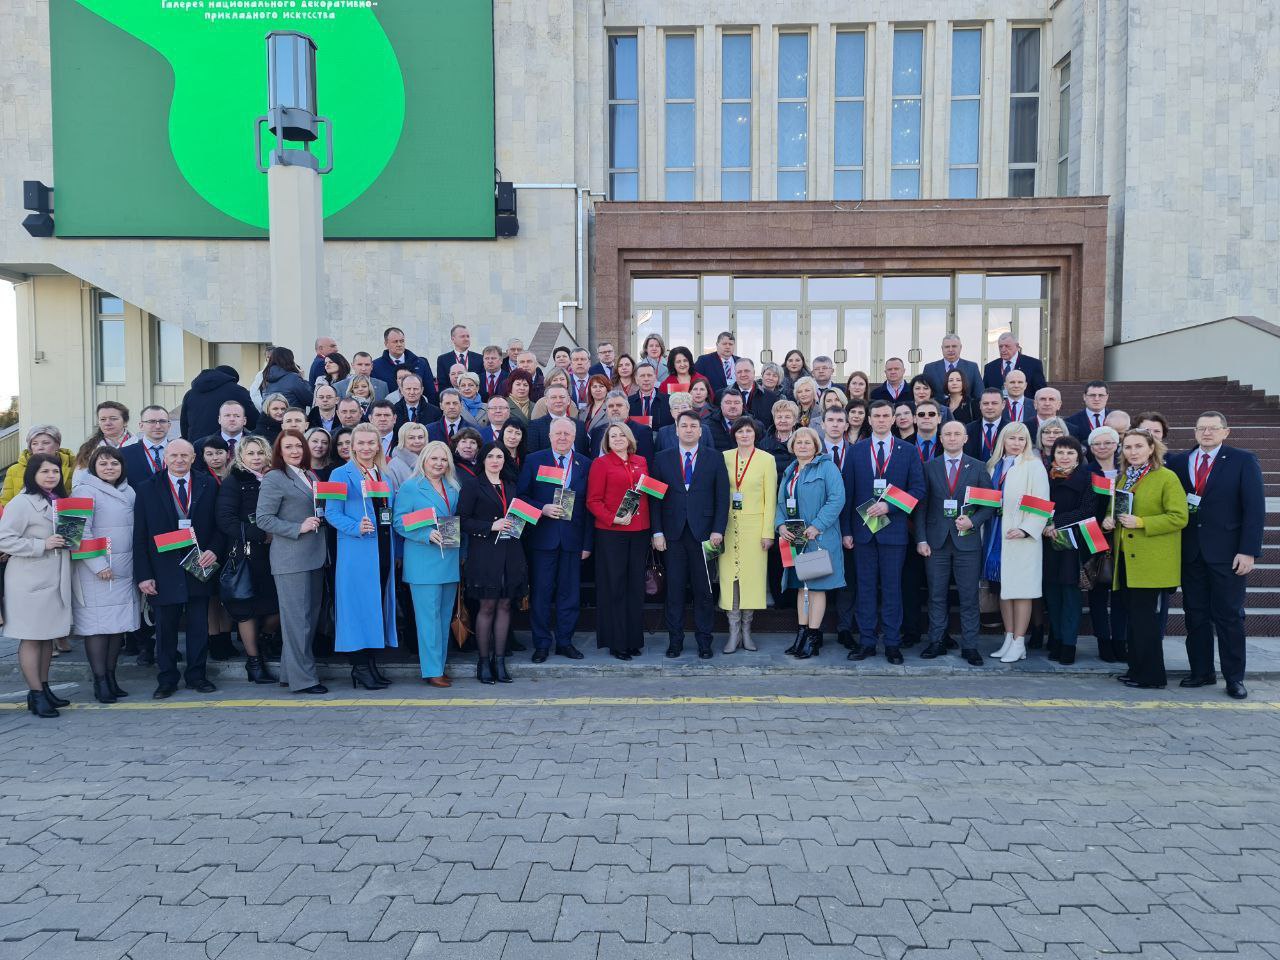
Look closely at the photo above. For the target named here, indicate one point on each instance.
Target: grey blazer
(284, 501)
(933, 526)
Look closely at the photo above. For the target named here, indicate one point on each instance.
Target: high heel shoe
(484, 670)
(792, 650)
(115, 687)
(256, 670)
(362, 677)
(1017, 651)
(102, 690)
(747, 642)
(378, 675)
(1004, 647)
(735, 631)
(499, 667)
(812, 645)
(38, 703)
(54, 699)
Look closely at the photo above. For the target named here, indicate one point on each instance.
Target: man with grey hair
(515, 347)
(650, 403)
(461, 355)
(527, 361)
(1048, 403)
(1012, 358)
(757, 402)
(823, 370)
(325, 345)
(935, 371)
(617, 409)
(1119, 421)
(497, 412)
(559, 407)
(452, 420)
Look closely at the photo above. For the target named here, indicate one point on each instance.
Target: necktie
(880, 463)
(1008, 365)
(926, 449)
(728, 370)
(1015, 409)
(835, 455)
(952, 467)
(1202, 472)
(410, 412)
(645, 403)
(452, 429)
(560, 460)
(157, 452)
(990, 441)
(688, 468)
(492, 385)
(582, 391)
(1097, 419)
(950, 366)
(231, 447)
(182, 495)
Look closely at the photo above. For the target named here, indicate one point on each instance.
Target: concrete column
(299, 292)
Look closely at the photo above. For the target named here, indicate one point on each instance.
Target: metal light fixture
(292, 111)
(36, 196)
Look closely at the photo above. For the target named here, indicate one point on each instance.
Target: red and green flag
(1091, 533)
(74, 507)
(642, 421)
(92, 547)
(981, 497)
(331, 490)
(525, 511)
(178, 540)
(551, 475)
(900, 498)
(1103, 486)
(654, 488)
(420, 518)
(378, 489)
(1036, 506)
(787, 552)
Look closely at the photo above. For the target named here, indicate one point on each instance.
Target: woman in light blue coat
(364, 585)
(430, 570)
(812, 490)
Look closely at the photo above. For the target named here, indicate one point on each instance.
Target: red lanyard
(739, 476)
(444, 495)
(791, 487)
(183, 512)
(1201, 482)
(501, 491)
(953, 481)
(156, 465)
(876, 465)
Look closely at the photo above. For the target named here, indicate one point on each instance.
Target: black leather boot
(1067, 655)
(811, 646)
(38, 703)
(362, 677)
(115, 687)
(500, 674)
(484, 669)
(381, 677)
(54, 699)
(794, 649)
(256, 670)
(102, 690)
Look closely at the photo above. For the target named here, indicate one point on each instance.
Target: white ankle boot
(1017, 651)
(1004, 648)
(735, 630)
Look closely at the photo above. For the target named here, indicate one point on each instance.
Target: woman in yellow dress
(753, 500)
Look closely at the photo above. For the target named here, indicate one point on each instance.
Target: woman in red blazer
(621, 549)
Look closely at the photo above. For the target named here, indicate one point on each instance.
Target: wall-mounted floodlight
(36, 196)
(291, 103)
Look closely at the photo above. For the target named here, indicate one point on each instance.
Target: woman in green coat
(1148, 552)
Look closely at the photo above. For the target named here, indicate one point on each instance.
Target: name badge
(950, 508)
(880, 485)
(1193, 502)
(384, 517)
(737, 501)
(793, 509)
(184, 524)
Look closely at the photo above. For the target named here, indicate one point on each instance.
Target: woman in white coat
(37, 581)
(1013, 552)
(104, 599)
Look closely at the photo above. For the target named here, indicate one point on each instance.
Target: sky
(8, 344)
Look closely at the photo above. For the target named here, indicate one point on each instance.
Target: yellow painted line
(1053, 703)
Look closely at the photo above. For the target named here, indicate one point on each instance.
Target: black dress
(237, 502)
(1073, 500)
(494, 568)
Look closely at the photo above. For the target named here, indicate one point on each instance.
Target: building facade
(852, 179)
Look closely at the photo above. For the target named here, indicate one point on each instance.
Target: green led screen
(154, 104)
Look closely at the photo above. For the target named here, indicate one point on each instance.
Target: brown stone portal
(1065, 237)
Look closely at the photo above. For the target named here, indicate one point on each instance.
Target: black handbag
(1097, 571)
(236, 580)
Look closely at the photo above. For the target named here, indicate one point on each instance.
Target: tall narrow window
(966, 112)
(680, 138)
(851, 88)
(624, 120)
(735, 116)
(1064, 126)
(1024, 111)
(793, 116)
(109, 315)
(170, 362)
(908, 110)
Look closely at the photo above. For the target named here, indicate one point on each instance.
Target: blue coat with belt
(703, 509)
(360, 602)
(573, 535)
(424, 562)
(820, 494)
(904, 471)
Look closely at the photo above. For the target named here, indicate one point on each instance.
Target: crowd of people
(375, 502)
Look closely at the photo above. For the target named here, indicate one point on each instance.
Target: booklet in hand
(565, 499)
(874, 524)
(628, 508)
(71, 529)
(191, 564)
(450, 530)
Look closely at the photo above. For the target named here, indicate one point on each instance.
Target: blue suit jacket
(709, 366)
(1232, 507)
(993, 373)
(154, 513)
(1080, 425)
(935, 371)
(703, 509)
(424, 562)
(137, 463)
(548, 534)
(475, 363)
(975, 430)
(904, 471)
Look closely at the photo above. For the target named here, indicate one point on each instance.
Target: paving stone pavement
(955, 817)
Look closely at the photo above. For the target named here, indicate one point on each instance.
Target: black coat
(1073, 500)
(237, 501)
(154, 513)
(209, 391)
(778, 448)
(296, 390)
(494, 568)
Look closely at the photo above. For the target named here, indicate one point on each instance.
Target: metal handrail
(10, 446)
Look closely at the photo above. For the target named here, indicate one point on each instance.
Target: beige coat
(1021, 560)
(37, 582)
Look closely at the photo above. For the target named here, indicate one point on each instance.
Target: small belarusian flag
(1103, 486)
(900, 498)
(74, 507)
(420, 518)
(178, 540)
(1036, 506)
(525, 511)
(787, 552)
(551, 475)
(331, 490)
(1091, 533)
(92, 547)
(642, 421)
(375, 488)
(981, 497)
(654, 488)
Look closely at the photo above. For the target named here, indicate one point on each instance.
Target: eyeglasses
(1209, 429)
(927, 413)
(155, 423)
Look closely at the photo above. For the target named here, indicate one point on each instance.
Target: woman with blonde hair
(411, 440)
(805, 391)
(556, 378)
(430, 569)
(1012, 550)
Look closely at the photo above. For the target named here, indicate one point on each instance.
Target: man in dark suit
(144, 457)
(935, 371)
(558, 546)
(616, 411)
(878, 462)
(1017, 408)
(1220, 545)
(412, 407)
(1012, 358)
(649, 401)
(694, 510)
(1048, 404)
(757, 402)
(382, 416)
(718, 367)
(539, 437)
(1094, 414)
(175, 500)
(914, 576)
(895, 386)
(492, 377)
(982, 433)
(951, 542)
(604, 365)
(836, 445)
(722, 425)
(461, 353)
(324, 345)
(396, 355)
(515, 347)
